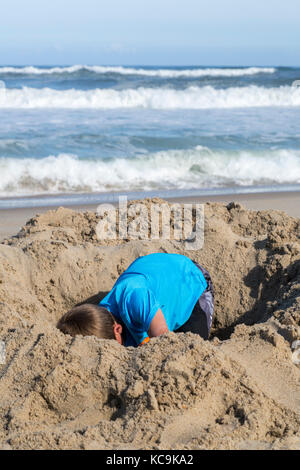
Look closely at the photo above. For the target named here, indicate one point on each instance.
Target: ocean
(80, 134)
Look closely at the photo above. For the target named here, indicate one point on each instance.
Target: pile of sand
(239, 390)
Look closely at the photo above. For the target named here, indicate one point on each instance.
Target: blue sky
(150, 32)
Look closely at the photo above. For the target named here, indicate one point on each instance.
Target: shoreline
(12, 219)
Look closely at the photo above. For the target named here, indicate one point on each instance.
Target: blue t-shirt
(170, 282)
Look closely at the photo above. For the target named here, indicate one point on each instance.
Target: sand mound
(239, 390)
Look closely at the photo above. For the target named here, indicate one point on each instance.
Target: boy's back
(170, 282)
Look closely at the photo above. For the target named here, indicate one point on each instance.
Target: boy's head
(88, 320)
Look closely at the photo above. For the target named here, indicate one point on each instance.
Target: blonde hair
(88, 320)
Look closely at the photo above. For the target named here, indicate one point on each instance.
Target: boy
(157, 293)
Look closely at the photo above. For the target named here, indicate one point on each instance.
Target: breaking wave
(198, 167)
(167, 73)
(151, 98)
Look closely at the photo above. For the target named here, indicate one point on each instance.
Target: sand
(11, 220)
(239, 390)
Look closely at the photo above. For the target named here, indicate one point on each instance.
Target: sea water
(79, 133)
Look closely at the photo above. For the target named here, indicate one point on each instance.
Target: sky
(150, 32)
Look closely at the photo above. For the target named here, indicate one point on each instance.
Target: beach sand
(11, 220)
(239, 390)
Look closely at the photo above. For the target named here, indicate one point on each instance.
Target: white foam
(173, 169)
(152, 98)
(164, 73)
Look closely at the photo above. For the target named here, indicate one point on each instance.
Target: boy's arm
(158, 326)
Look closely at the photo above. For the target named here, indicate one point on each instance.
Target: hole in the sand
(237, 413)
(116, 404)
(253, 297)
(94, 299)
(264, 287)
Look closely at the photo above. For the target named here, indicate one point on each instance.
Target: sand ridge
(238, 390)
